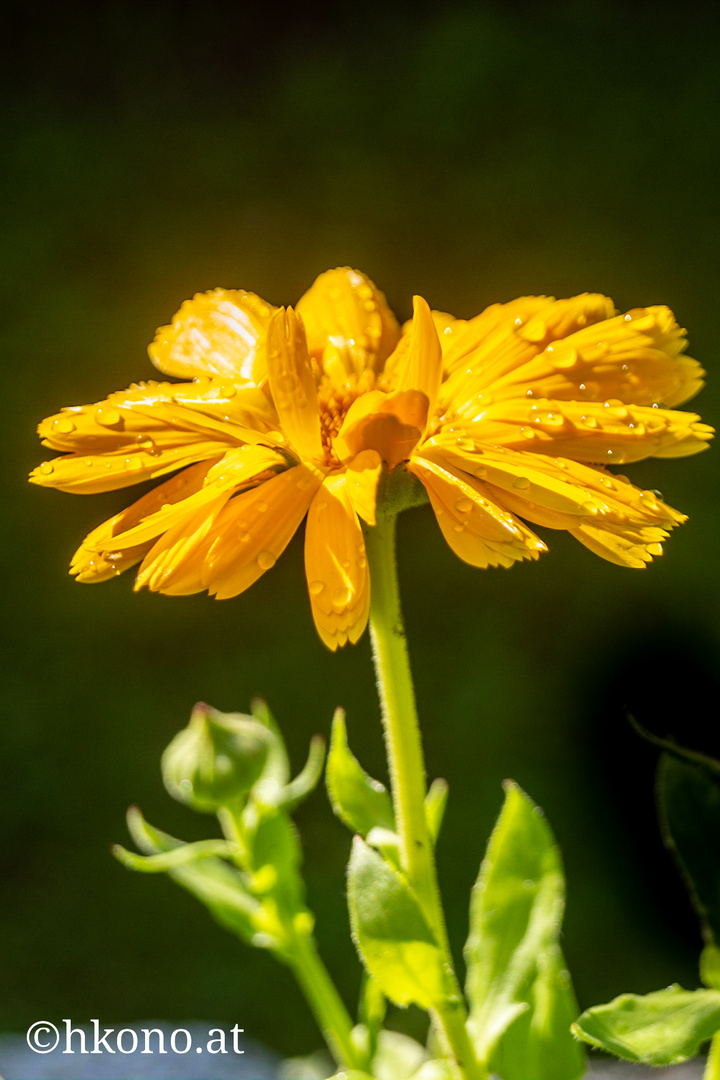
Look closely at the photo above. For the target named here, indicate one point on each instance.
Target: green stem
(324, 1000)
(302, 957)
(407, 774)
(712, 1069)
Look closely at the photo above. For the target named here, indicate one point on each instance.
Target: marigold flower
(510, 417)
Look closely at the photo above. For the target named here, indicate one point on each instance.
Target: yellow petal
(292, 384)
(391, 424)
(216, 333)
(147, 431)
(362, 477)
(636, 357)
(349, 325)
(97, 559)
(478, 530)
(237, 468)
(505, 338)
(421, 364)
(633, 548)
(253, 530)
(336, 565)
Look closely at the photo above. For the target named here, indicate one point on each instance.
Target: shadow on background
(471, 155)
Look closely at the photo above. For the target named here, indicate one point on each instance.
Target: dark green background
(471, 155)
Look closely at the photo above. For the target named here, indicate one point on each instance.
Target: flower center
(333, 402)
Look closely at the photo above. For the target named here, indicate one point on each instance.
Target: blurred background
(468, 152)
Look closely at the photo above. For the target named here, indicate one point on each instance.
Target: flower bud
(215, 759)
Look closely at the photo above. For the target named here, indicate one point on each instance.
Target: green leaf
(689, 806)
(663, 1028)
(358, 800)
(521, 998)
(390, 931)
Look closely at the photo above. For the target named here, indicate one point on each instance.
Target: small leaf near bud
(216, 759)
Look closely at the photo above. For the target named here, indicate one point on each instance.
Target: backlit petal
(362, 477)
(601, 433)
(253, 530)
(292, 384)
(636, 358)
(216, 333)
(336, 565)
(348, 323)
(391, 424)
(478, 530)
(97, 559)
(421, 365)
(150, 430)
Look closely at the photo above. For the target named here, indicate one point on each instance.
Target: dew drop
(154, 452)
(266, 560)
(316, 587)
(341, 597)
(466, 444)
(346, 564)
(527, 433)
(564, 360)
(243, 535)
(288, 383)
(528, 884)
(64, 425)
(458, 527)
(362, 562)
(655, 549)
(463, 506)
(46, 468)
(528, 393)
(261, 507)
(521, 482)
(108, 417)
(145, 441)
(87, 462)
(480, 471)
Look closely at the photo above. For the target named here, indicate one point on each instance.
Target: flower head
(513, 416)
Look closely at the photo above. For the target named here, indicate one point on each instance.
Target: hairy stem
(407, 775)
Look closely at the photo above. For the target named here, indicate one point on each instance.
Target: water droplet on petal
(261, 507)
(154, 452)
(362, 562)
(316, 587)
(480, 471)
(288, 382)
(588, 421)
(466, 444)
(64, 425)
(341, 597)
(527, 433)
(266, 560)
(46, 468)
(145, 441)
(521, 482)
(655, 549)
(463, 506)
(562, 360)
(458, 527)
(108, 417)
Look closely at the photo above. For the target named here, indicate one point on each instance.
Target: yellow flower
(512, 415)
